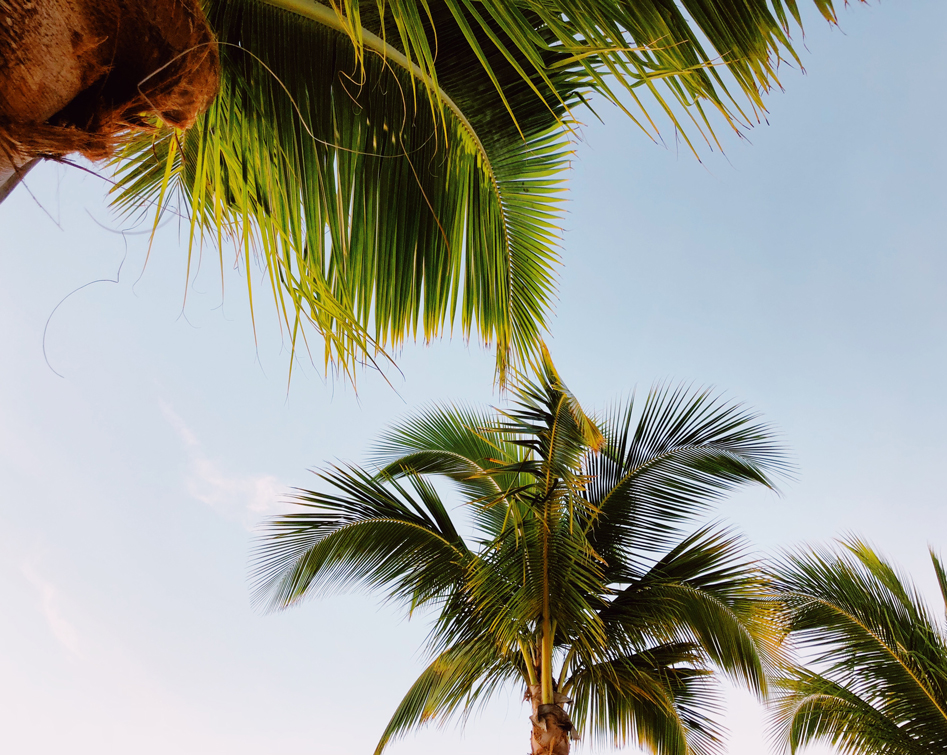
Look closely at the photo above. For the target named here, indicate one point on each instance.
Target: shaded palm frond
(811, 708)
(704, 591)
(656, 700)
(674, 51)
(379, 217)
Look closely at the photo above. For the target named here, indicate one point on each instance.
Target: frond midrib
(454, 454)
(326, 16)
(643, 466)
(896, 657)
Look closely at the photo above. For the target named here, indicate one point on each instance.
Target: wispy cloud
(50, 605)
(244, 497)
(180, 427)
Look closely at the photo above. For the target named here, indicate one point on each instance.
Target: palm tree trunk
(553, 731)
(40, 73)
(10, 178)
(75, 75)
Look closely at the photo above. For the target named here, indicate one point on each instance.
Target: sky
(142, 438)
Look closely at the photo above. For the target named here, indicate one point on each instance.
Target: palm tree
(876, 681)
(399, 163)
(577, 579)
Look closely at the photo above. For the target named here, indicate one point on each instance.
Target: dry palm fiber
(75, 75)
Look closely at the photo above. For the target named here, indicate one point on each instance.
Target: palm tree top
(578, 574)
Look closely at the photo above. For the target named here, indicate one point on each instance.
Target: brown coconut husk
(79, 75)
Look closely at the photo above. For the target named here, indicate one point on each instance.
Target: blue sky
(804, 273)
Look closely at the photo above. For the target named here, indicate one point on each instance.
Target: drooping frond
(379, 216)
(621, 46)
(457, 681)
(463, 445)
(374, 531)
(707, 592)
(397, 164)
(656, 700)
(458, 442)
(877, 657)
(812, 708)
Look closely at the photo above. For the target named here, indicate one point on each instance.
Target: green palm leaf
(703, 591)
(814, 708)
(379, 216)
(345, 539)
(654, 700)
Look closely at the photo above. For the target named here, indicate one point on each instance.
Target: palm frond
(379, 216)
(707, 592)
(548, 420)
(374, 532)
(397, 164)
(463, 445)
(622, 46)
(457, 681)
(685, 451)
(811, 708)
(867, 632)
(455, 441)
(654, 700)
(941, 578)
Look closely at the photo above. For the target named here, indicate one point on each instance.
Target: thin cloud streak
(61, 628)
(241, 497)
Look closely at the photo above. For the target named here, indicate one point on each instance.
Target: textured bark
(553, 731)
(9, 178)
(77, 75)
